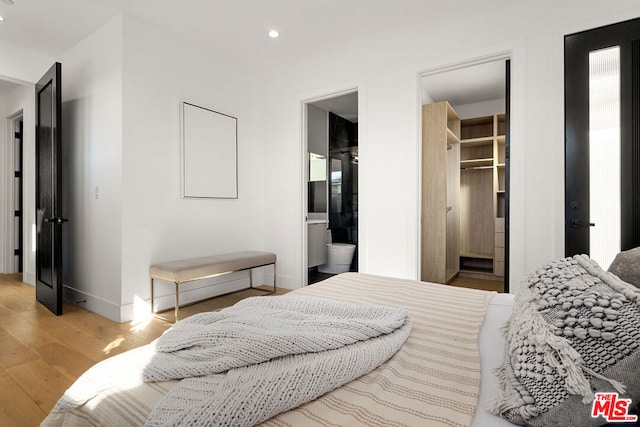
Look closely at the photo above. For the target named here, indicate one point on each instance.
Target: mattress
(440, 377)
(491, 345)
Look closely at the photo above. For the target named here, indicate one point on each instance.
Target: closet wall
(482, 195)
(440, 210)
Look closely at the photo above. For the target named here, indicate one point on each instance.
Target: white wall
(22, 98)
(160, 71)
(92, 175)
(22, 65)
(122, 87)
(389, 144)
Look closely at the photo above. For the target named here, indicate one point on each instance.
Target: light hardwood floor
(42, 354)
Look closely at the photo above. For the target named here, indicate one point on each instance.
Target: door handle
(56, 220)
(576, 223)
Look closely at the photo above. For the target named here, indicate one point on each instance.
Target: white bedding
(491, 346)
(436, 378)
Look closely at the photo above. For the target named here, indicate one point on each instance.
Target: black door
(602, 150)
(48, 190)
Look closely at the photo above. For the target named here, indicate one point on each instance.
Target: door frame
(348, 88)
(6, 184)
(592, 39)
(514, 243)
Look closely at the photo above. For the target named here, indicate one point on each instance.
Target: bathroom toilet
(339, 257)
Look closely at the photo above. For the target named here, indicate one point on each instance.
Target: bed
(441, 376)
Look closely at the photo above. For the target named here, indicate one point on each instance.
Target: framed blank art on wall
(209, 153)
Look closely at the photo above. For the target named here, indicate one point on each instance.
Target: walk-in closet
(464, 191)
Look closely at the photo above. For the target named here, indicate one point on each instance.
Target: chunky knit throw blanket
(574, 331)
(265, 355)
(246, 363)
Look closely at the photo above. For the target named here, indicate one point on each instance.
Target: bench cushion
(199, 268)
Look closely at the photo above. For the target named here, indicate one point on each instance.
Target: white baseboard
(92, 303)
(164, 295)
(29, 278)
(288, 282)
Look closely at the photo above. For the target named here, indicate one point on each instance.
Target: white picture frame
(209, 152)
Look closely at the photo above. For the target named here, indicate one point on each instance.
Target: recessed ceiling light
(274, 34)
(1, 18)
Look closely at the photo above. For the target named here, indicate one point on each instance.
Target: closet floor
(486, 285)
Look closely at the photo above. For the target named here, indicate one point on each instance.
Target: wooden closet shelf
(476, 163)
(452, 138)
(478, 255)
(477, 142)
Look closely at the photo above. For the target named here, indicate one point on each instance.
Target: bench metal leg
(175, 311)
(177, 301)
(264, 284)
(274, 277)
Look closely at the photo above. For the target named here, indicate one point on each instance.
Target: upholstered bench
(188, 270)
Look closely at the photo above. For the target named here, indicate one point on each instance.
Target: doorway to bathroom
(331, 175)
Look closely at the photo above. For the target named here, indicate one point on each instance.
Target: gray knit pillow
(574, 331)
(626, 266)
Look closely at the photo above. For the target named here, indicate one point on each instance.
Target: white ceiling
(237, 29)
(468, 85)
(53, 26)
